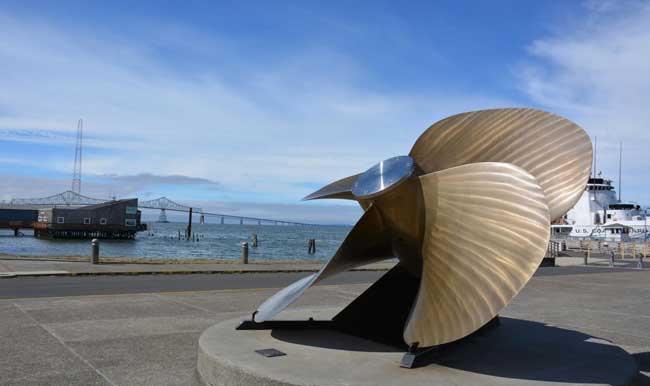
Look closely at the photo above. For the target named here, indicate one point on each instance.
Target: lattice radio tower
(76, 173)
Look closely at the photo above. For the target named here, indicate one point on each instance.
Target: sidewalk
(23, 266)
(11, 267)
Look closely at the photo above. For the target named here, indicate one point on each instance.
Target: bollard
(622, 245)
(254, 240)
(244, 253)
(94, 258)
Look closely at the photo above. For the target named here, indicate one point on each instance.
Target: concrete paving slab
(132, 360)
(32, 352)
(155, 374)
(12, 317)
(99, 330)
(105, 308)
(249, 300)
(65, 377)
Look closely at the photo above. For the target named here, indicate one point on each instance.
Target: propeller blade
(338, 189)
(556, 151)
(367, 242)
(486, 232)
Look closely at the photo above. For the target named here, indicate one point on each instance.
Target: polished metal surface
(367, 242)
(467, 213)
(339, 189)
(556, 151)
(486, 232)
(382, 177)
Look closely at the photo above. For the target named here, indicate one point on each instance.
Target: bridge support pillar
(241, 221)
(16, 232)
(222, 220)
(189, 226)
(163, 216)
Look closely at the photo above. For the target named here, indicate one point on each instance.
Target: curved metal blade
(367, 242)
(556, 151)
(338, 189)
(486, 232)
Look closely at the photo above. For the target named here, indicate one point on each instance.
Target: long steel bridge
(164, 204)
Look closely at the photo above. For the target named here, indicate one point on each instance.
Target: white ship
(599, 214)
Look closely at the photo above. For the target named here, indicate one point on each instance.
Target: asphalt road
(56, 286)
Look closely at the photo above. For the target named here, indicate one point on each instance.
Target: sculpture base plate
(517, 352)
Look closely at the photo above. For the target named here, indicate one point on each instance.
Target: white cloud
(306, 118)
(597, 72)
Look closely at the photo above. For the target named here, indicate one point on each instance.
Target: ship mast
(620, 168)
(595, 154)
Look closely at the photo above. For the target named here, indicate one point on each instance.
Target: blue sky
(235, 105)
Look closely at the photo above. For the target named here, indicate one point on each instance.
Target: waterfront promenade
(24, 266)
(150, 338)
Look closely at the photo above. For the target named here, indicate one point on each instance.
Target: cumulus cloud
(597, 72)
(148, 179)
(105, 186)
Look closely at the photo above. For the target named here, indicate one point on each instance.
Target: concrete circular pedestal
(517, 352)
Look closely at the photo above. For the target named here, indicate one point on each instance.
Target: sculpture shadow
(516, 349)
(643, 360)
(332, 339)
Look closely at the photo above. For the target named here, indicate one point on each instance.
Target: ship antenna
(620, 168)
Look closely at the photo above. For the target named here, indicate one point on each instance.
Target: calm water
(219, 242)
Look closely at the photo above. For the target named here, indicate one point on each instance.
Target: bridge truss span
(67, 198)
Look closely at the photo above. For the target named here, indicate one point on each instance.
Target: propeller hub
(382, 177)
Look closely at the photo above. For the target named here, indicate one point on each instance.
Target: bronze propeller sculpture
(467, 214)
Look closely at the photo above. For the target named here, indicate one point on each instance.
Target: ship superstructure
(599, 214)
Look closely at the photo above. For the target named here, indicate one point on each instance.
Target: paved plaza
(151, 338)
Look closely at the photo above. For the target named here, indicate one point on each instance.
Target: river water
(216, 241)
